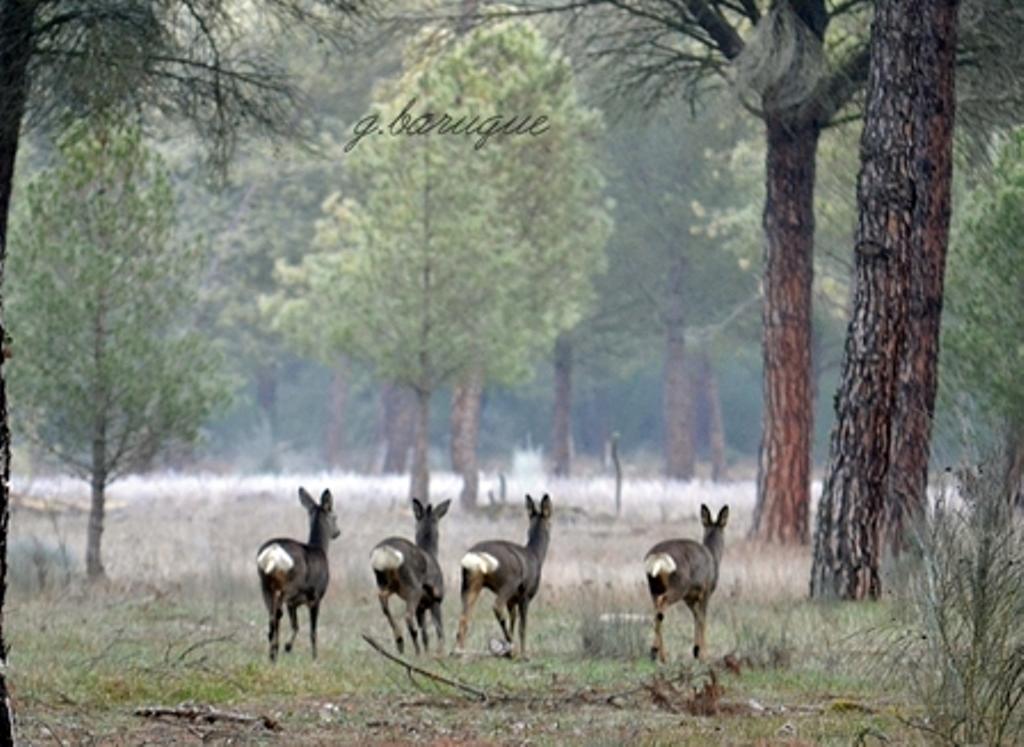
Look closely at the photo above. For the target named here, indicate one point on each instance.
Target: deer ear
(705, 515)
(723, 517)
(306, 500)
(531, 507)
(417, 509)
(442, 508)
(327, 501)
(545, 506)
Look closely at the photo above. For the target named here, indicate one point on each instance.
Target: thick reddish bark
(677, 389)
(917, 377)
(783, 486)
(334, 437)
(903, 198)
(16, 20)
(561, 424)
(465, 429)
(398, 425)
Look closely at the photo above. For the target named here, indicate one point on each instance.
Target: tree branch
(725, 36)
(410, 668)
(840, 87)
(207, 714)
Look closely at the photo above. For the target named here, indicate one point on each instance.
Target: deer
(292, 573)
(511, 571)
(682, 569)
(412, 572)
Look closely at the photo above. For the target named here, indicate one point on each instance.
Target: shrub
(961, 649)
(35, 565)
(615, 635)
(760, 646)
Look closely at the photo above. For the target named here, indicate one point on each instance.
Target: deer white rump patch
(384, 558)
(658, 563)
(274, 558)
(480, 562)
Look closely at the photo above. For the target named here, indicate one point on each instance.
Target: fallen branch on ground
(662, 688)
(198, 645)
(411, 668)
(207, 714)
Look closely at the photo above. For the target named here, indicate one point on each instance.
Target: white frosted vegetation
(202, 527)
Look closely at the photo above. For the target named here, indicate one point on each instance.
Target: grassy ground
(187, 627)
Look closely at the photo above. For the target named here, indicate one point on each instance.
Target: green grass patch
(82, 664)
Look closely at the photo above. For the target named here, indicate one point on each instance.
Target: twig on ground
(411, 668)
(118, 639)
(206, 714)
(204, 642)
(684, 675)
(52, 733)
(656, 686)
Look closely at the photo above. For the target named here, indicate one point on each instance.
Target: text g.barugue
(474, 126)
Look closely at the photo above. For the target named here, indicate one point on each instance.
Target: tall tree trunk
(419, 477)
(398, 426)
(561, 425)
(783, 485)
(16, 21)
(465, 429)
(613, 450)
(467, 13)
(99, 466)
(334, 441)
(677, 389)
(902, 187)
(594, 422)
(93, 560)
(918, 375)
(1013, 455)
(715, 426)
(266, 396)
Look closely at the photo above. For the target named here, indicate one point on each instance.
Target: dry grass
(180, 555)
(174, 528)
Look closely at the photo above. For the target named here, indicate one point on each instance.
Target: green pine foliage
(457, 257)
(98, 307)
(982, 353)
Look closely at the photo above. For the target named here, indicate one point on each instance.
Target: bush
(615, 635)
(961, 652)
(758, 646)
(35, 565)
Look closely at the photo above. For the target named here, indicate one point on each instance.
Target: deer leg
(500, 605)
(700, 612)
(293, 617)
(411, 605)
(314, 613)
(470, 592)
(268, 600)
(524, 605)
(658, 648)
(513, 608)
(421, 611)
(435, 612)
(395, 630)
(275, 624)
